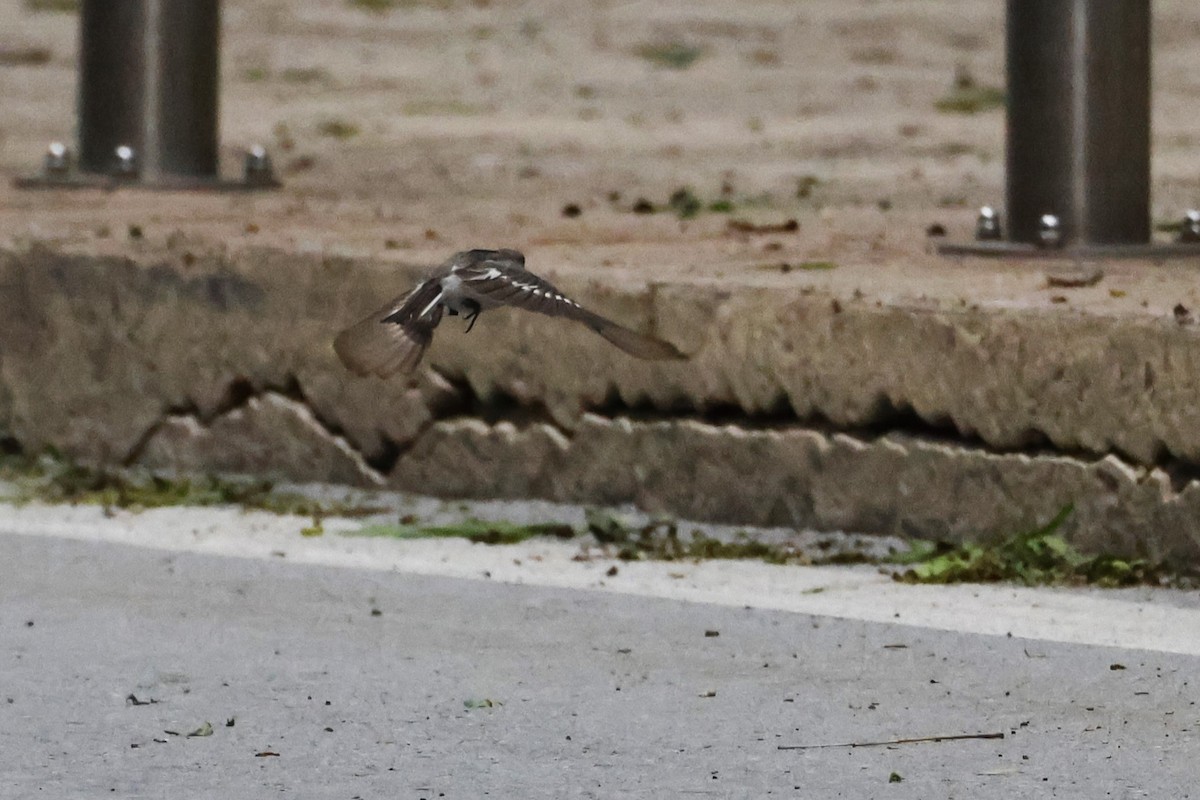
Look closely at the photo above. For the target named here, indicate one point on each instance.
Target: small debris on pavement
(483, 702)
(204, 730)
(24, 56)
(1075, 277)
(890, 742)
(747, 227)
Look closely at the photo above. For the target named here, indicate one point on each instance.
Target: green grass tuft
(1035, 558)
(374, 6)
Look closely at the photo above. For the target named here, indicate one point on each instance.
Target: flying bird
(395, 337)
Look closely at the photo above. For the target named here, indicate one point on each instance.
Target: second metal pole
(1079, 120)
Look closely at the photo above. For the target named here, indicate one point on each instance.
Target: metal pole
(1079, 121)
(149, 84)
(111, 81)
(1077, 177)
(185, 113)
(148, 81)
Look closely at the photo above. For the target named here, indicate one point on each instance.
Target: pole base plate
(1024, 250)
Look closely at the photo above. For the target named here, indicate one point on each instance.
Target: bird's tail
(394, 338)
(638, 345)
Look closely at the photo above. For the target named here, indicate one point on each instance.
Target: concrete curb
(803, 404)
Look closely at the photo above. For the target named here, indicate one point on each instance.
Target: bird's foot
(474, 315)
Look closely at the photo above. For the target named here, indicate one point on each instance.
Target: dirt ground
(440, 124)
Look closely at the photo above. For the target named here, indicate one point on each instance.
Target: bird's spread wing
(394, 338)
(497, 281)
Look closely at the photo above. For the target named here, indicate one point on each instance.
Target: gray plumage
(395, 337)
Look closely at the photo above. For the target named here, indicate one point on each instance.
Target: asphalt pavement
(143, 667)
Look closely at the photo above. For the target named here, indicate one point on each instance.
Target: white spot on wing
(431, 305)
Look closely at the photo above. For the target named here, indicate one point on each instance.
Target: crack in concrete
(889, 417)
(854, 477)
(239, 394)
(891, 421)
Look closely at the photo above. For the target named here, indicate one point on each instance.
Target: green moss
(304, 75)
(659, 540)
(374, 6)
(670, 55)
(438, 108)
(971, 99)
(255, 74)
(338, 129)
(684, 202)
(384, 6)
(1037, 557)
(54, 6)
(48, 479)
(478, 531)
(805, 185)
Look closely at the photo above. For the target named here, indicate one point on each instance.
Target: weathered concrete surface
(894, 391)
